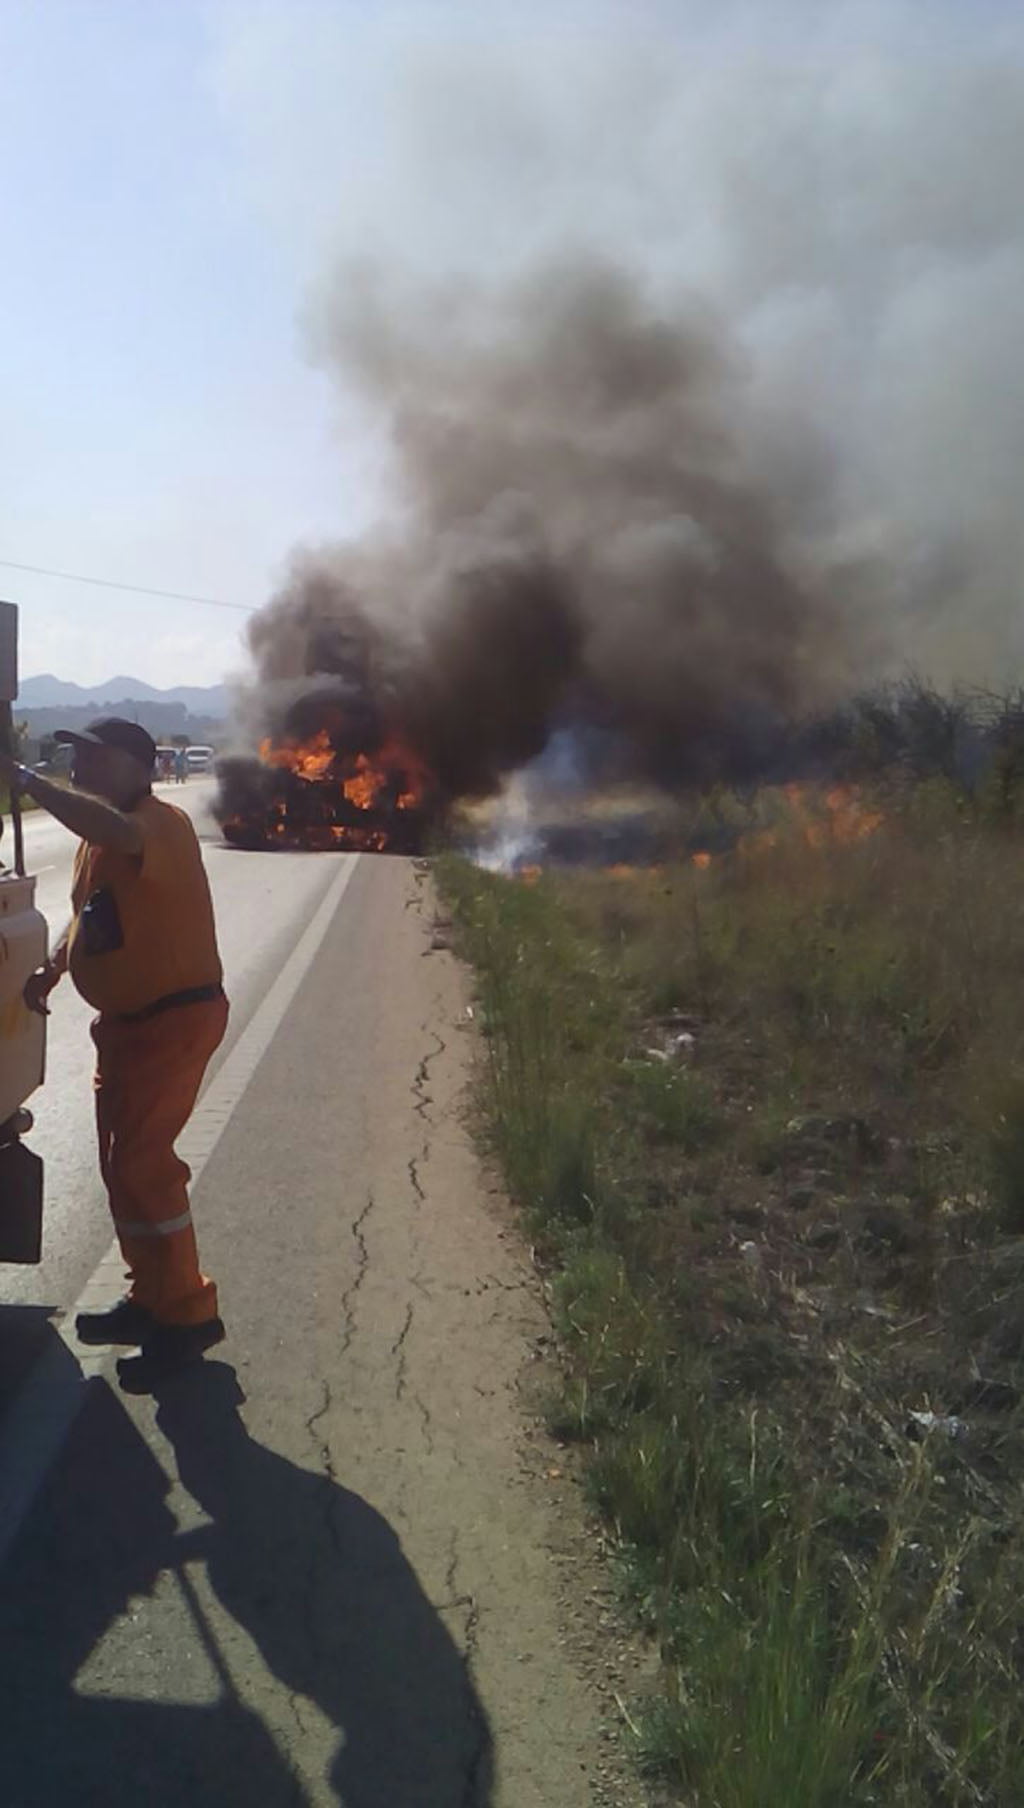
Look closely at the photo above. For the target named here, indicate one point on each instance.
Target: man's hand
(91, 818)
(38, 987)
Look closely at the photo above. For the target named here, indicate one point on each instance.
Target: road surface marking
(41, 1415)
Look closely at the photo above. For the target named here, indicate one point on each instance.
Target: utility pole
(8, 692)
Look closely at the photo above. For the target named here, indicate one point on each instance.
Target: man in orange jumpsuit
(142, 950)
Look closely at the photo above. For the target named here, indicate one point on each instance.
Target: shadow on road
(313, 1575)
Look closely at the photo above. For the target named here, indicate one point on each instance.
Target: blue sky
(180, 178)
(159, 422)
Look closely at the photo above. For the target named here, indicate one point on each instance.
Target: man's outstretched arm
(90, 817)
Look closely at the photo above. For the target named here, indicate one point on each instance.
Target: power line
(167, 596)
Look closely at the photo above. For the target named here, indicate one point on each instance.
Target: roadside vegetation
(765, 1116)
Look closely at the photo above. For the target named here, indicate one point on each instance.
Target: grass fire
(759, 1090)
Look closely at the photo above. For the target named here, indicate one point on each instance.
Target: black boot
(166, 1350)
(127, 1322)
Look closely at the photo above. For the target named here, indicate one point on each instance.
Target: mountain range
(47, 692)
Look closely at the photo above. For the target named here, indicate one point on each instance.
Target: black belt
(171, 1001)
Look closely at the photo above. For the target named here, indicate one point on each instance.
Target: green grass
(768, 1252)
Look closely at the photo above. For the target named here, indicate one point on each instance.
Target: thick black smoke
(578, 537)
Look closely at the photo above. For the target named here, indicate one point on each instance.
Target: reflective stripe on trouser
(147, 1080)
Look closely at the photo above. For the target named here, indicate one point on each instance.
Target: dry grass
(775, 1241)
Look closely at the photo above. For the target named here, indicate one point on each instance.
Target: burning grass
(766, 1114)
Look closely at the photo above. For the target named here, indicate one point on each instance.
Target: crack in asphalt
(428, 1426)
(398, 1349)
(308, 1616)
(314, 1419)
(299, 1797)
(422, 1102)
(422, 1097)
(404, 1332)
(495, 1280)
(348, 1298)
(462, 1598)
(476, 1720)
(323, 1445)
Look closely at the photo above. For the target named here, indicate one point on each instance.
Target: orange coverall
(142, 949)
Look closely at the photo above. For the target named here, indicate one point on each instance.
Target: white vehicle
(200, 759)
(23, 943)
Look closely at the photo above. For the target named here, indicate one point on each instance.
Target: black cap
(113, 731)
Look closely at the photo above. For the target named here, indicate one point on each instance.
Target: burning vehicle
(333, 776)
(311, 795)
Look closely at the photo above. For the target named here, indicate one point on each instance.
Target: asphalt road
(341, 1563)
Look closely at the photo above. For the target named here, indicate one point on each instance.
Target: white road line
(39, 1419)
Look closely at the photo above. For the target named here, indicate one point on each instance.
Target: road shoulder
(416, 1387)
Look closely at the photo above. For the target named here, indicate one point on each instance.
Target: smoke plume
(579, 537)
(753, 445)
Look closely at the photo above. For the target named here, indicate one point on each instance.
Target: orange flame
(350, 800)
(837, 818)
(312, 759)
(850, 821)
(846, 819)
(364, 781)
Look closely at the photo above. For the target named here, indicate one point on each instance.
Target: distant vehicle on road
(200, 759)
